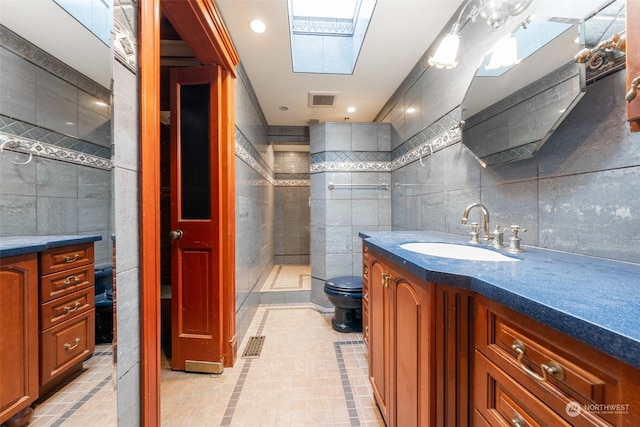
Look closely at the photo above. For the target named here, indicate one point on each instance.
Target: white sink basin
(456, 251)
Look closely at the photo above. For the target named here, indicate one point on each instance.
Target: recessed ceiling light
(283, 108)
(257, 26)
(411, 110)
(351, 109)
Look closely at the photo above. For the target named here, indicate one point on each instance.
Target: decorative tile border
(21, 47)
(42, 149)
(125, 47)
(246, 152)
(435, 134)
(441, 134)
(290, 176)
(292, 183)
(246, 156)
(28, 131)
(351, 167)
(439, 142)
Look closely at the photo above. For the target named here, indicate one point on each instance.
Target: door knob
(175, 234)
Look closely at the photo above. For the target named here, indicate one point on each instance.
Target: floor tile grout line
(233, 400)
(344, 378)
(275, 279)
(344, 375)
(77, 405)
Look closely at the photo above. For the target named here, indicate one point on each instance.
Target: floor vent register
(254, 347)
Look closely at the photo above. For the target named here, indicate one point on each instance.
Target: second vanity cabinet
(67, 313)
(414, 330)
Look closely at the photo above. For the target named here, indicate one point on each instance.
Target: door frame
(200, 25)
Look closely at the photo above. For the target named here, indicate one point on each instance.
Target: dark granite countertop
(594, 300)
(20, 245)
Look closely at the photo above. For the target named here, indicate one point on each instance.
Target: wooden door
(196, 291)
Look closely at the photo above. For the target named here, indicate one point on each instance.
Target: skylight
(326, 36)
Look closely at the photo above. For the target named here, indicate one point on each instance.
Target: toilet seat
(344, 284)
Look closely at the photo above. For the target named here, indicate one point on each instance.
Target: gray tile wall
(48, 196)
(36, 96)
(338, 215)
(573, 196)
(254, 208)
(292, 210)
(125, 137)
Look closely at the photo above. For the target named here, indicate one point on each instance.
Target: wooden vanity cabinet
(529, 374)
(419, 347)
(18, 335)
(67, 312)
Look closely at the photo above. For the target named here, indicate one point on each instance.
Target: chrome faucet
(485, 211)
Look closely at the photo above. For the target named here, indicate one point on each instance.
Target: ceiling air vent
(322, 99)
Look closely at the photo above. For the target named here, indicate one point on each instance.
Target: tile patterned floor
(89, 399)
(288, 277)
(307, 374)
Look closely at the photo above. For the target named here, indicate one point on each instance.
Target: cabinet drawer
(502, 401)
(66, 282)
(529, 352)
(63, 258)
(66, 344)
(61, 309)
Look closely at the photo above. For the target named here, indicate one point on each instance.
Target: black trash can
(104, 303)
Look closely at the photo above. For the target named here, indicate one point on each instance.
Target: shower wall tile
(17, 179)
(338, 136)
(57, 215)
(57, 179)
(93, 214)
(364, 137)
(339, 214)
(18, 87)
(18, 215)
(569, 196)
(126, 218)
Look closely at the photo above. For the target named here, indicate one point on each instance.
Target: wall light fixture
(494, 12)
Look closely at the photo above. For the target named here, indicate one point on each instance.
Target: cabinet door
(18, 334)
(411, 336)
(633, 61)
(379, 361)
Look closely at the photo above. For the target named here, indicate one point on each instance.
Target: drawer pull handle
(551, 368)
(68, 280)
(70, 347)
(68, 309)
(68, 260)
(517, 420)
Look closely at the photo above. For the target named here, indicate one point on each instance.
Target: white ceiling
(399, 33)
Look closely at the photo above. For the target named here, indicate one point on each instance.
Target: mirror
(511, 108)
